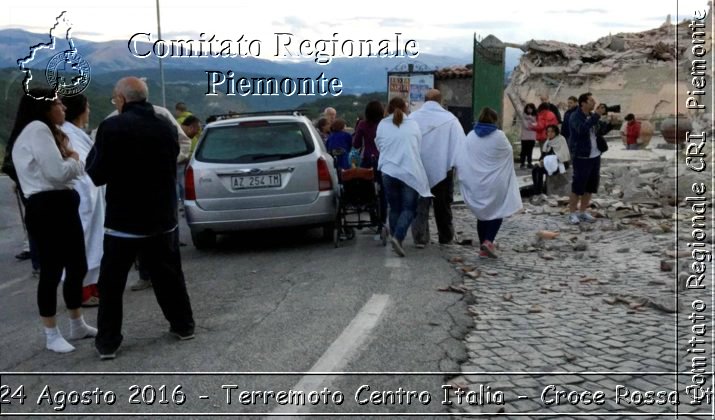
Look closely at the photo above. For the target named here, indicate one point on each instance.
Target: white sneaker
(397, 247)
(586, 217)
(574, 219)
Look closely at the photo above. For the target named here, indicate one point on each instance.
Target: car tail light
(325, 183)
(189, 188)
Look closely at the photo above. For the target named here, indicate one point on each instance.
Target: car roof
(238, 119)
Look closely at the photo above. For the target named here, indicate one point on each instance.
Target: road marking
(13, 282)
(393, 262)
(341, 350)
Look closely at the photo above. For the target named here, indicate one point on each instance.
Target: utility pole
(161, 63)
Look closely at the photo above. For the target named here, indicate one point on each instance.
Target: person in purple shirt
(364, 140)
(364, 137)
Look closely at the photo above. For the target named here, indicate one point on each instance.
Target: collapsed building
(634, 70)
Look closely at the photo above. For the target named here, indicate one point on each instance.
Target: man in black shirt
(135, 157)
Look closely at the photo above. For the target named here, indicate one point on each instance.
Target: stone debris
(535, 309)
(454, 289)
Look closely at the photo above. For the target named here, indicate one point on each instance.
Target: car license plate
(255, 181)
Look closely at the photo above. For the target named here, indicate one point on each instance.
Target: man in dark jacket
(573, 106)
(585, 156)
(135, 157)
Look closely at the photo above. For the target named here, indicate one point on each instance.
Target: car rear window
(253, 141)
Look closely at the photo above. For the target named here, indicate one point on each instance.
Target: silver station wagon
(259, 171)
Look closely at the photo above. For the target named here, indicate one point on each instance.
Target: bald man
(441, 133)
(134, 155)
(330, 114)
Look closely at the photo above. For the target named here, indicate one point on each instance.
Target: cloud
(579, 11)
(475, 26)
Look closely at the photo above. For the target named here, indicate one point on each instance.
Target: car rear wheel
(203, 240)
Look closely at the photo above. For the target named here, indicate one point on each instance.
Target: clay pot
(668, 128)
(646, 133)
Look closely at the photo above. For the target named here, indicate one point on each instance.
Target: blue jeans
(402, 200)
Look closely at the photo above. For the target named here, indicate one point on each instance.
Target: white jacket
(400, 153)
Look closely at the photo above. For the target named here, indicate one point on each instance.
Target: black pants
(487, 229)
(442, 203)
(527, 148)
(160, 257)
(52, 219)
(538, 176)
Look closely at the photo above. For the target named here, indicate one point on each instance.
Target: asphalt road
(267, 302)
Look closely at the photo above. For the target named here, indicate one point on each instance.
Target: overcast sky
(440, 27)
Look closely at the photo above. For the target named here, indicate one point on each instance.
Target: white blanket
(400, 153)
(485, 166)
(91, 205)
(441, 135)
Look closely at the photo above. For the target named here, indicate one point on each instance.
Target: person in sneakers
(485, 166)
(91, 203)
(141, 216)
(441, 134)
(403, 175)
(586, 158)
(47, 168)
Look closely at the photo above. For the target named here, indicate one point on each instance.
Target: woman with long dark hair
(46, 167)
(403, 175)
(364, 140)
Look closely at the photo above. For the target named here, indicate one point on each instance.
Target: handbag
(601, 144)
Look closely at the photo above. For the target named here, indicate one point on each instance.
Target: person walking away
(528, 135)
(485, 165)
(403, 175)
(586, 158)
(91, 197)
(46, 168)
(364, 140)
(141, 216)
(441, 134)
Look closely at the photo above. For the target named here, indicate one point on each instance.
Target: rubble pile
(575, 64)
(634, 70)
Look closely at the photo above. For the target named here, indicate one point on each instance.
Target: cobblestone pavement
(588, 311)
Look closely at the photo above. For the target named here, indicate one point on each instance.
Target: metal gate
(488, 79)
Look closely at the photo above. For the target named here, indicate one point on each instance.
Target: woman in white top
(91, 197)
(46, 167)
(485, 165)
(404, 178)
